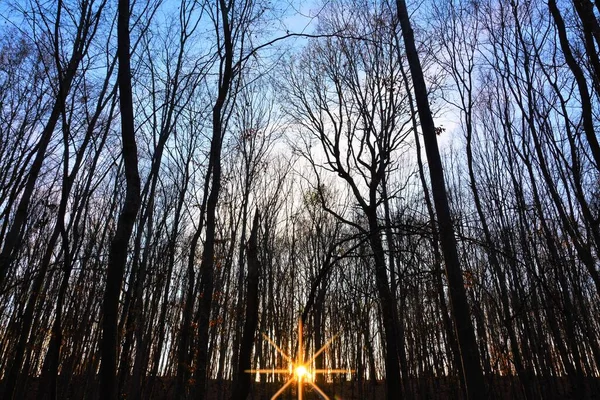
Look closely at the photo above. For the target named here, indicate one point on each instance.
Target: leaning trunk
(473, 374)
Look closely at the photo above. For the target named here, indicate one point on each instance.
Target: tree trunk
(118, 248)
(14, 234)
(206, 265)
(473, 374)
(241, 384)
(584, 94)
(388, 310)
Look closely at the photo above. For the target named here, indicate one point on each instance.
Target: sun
(302, 373)
(299, 370)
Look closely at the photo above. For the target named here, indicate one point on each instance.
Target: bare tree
(127, 216)
(358, 124)
(460, 307)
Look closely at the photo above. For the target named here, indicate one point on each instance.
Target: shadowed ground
(503, 388)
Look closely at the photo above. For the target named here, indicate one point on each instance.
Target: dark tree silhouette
(473, 374)
(120, 242)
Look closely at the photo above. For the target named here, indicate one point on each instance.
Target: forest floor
(422, 389)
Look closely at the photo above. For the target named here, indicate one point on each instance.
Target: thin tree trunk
(584, 94)
(241, 383)
(85, 31)
(388, 310)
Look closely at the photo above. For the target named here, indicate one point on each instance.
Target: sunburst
(299, 370)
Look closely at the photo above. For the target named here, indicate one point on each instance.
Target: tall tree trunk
(118, 248)
(206, 265)
(473, 374)
(448, 327)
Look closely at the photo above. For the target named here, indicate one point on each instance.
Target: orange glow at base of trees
(299, 371)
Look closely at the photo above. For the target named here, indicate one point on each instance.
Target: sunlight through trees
(182, 181)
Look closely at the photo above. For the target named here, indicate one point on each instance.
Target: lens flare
(299, 371)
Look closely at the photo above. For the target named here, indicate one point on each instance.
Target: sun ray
(267, 371)
(332, 371)
(322, 349)
(299, 370)
(288, 358)
(318, 389)
(288, 383)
